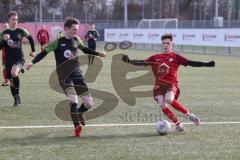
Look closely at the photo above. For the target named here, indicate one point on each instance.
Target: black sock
(82, 108)
(16, 84)
(13, 91)
(74, 114)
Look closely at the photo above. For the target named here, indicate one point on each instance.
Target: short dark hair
(12, 13)
(167, 36)
(70, 21)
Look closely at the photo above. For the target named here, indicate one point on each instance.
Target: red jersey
(165, 69)
(43, 36)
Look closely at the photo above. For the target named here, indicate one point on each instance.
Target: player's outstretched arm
(87, 50)
(92, 52)
(200, 64)
(51, 47)
(37, 58)
(136, 62)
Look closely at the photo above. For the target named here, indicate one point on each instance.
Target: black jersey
(92, 35)
(13, 46)
(64, 49)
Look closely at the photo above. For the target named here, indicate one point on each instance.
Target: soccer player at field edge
(91, 37)
(166, 90)
(11, 40)
(65, 49)
(6, 81)
(43, 37)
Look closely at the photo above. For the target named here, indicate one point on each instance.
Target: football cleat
(180, 128)
(77, 131)
(194, 119)
(5, 84)
(17, 100)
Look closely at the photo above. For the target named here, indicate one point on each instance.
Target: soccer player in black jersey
(91, 37)
(69, 73)
(11, 41)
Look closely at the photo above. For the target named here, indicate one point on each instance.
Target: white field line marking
(107, 125)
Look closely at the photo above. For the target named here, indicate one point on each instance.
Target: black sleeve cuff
(200, 64)
(39, 57)
(89, 51)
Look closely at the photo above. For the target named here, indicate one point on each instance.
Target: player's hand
(32, 54)
(125, 58)
(29, 66)
(6, 37)
(211, 64)
(22, 70)
(102, 54)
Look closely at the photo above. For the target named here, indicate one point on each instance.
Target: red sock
(178, 106)
(171, 115)
(5, 74)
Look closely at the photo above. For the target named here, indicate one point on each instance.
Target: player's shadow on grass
(44, 139)
(118, 136)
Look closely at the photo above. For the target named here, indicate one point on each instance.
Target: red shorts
(163, 87)
(43, 43)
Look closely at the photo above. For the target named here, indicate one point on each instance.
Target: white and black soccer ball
(163, 127)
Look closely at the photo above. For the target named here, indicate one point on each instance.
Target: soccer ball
(163, 127)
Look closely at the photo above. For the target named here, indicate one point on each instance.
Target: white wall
(201, 37)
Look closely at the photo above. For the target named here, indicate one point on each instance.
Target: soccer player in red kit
(6, 81)
(166, 90)
(43, 37)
